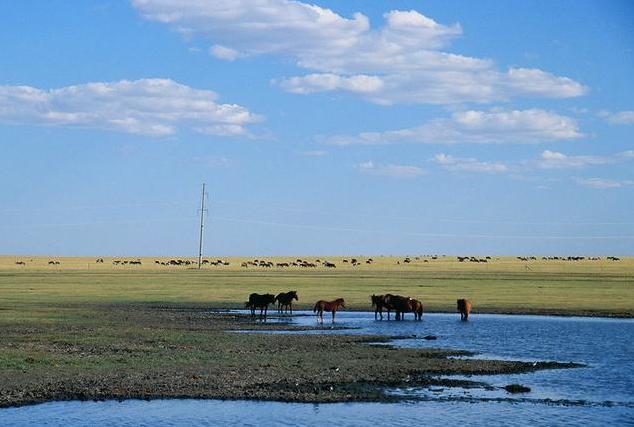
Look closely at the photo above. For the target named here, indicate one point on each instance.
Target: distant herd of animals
(328, 264)
(388, 302)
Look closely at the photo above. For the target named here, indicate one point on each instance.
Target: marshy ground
(146, 352)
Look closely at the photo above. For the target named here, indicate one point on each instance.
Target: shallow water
(604, 345)
(198, 413)
(599, 394)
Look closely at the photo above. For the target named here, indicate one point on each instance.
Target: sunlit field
(500, 285)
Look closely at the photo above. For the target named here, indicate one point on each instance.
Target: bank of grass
(144, 351)
(503, 285)
(94, 331)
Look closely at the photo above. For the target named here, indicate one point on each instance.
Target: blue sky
(402, 127)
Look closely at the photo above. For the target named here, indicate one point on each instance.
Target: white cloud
(455, 164)
(628, 153)
(603, 183)
(395, 171)
(327, 82)
(153, 107)
(494, 126)
(554, 160)
(619, 118)
(222, 52)
(400, 61)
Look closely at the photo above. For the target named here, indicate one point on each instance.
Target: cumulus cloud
(395, 171)
(455, 164)
(554, 160)
(494, 126)
(618, 118)
(603, 183)
(153, 107)
(400, 61)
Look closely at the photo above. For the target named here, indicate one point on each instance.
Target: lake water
(600, 394)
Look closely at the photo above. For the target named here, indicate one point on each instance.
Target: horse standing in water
(285, 301)
(331, 306)
(377, 303)
(380, 302)
(260, 301)
(464, 307)
(402, 305)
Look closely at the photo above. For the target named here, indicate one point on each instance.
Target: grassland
(502, 285)
(82, 330)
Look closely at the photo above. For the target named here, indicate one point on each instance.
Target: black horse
(285, 301)
(260, 301)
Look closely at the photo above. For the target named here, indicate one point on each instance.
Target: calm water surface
(600, 394)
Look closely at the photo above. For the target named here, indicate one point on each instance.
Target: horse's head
(294, 295)
(341, 303)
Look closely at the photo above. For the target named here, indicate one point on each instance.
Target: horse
(377, 303)
(402, 305)
(417, 309)
(380, 302)
(464, 307)
(331, 306)
(260, 301)
(285, 301)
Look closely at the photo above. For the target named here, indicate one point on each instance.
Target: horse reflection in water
(331, 306)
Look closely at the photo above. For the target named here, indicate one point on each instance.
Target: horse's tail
(316, 307)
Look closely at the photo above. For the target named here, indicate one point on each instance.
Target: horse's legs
(333, 316)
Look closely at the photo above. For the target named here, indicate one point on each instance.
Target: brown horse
(381, 302)
(464, 307)
(260, 301)
(285, 301)
(331, 306)
(402, 305)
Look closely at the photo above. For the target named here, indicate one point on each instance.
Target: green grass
(502, 285)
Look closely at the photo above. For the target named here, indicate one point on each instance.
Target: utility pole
(202, 225)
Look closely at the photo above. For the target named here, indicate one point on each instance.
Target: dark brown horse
(377, 303)
(464, 307)
(285, 301)
(380, 302)
(402, 305)
(331, 306)
(260, 301)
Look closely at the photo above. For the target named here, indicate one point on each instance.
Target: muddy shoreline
(149, 352)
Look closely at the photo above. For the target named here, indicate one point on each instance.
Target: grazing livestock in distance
(331, 306)
(20, 263)
(464, 307)
(260, 301)
(285, 301)
(329, 264)
(99, 260)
